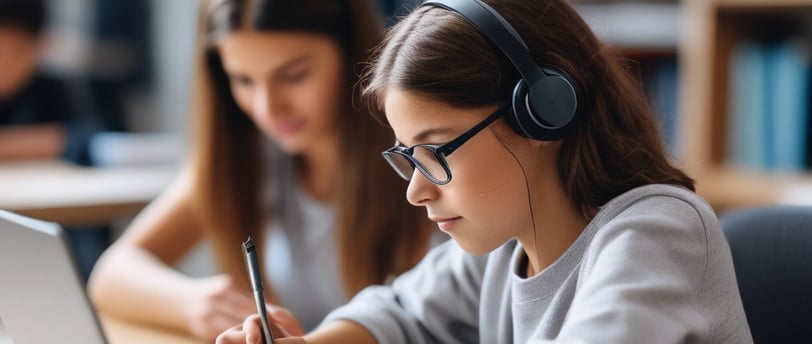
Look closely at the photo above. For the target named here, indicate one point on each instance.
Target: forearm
(44, 141)
(130, 283)
(341, 331)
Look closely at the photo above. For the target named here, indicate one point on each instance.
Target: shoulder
(47, 85)
(655, 222)
(656, 206)
(51, 98)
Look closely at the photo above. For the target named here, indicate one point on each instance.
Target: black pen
(252, 262)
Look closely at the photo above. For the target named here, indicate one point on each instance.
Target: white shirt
(300, 260)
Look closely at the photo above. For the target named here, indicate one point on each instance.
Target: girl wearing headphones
(536, 151)
(282, 154)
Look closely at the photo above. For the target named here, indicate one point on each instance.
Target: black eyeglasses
(430, 159)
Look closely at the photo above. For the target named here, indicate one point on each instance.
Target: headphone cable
(529, 202)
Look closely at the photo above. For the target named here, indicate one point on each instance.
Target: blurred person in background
(39, 116)
(41, 113)
(282, 152)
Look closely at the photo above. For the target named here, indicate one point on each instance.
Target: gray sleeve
(436, 302)
(641, 277)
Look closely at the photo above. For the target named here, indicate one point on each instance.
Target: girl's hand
(284, 321)
(250, 332)
(216, 304)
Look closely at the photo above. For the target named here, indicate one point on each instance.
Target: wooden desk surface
(72, 195)
(120, 332)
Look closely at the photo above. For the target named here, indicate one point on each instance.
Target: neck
(557, 225)
(317, 168)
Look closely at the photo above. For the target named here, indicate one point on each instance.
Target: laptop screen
(42, 299)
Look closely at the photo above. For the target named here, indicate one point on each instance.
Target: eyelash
(290, 78)
(297, 77)
(242, 81)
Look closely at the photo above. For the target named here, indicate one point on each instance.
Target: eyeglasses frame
(440, 151)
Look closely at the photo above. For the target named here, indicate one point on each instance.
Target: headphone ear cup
(553, 99)
(545, 110)
(518, 118)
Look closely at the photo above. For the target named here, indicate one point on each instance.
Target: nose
(265, 102)
(421, 191)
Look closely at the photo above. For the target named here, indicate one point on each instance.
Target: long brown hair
(378, 232)
(617, 145)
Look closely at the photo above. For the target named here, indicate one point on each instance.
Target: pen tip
(249, 243)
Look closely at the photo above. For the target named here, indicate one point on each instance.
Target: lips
(288, 127)
(446, 224)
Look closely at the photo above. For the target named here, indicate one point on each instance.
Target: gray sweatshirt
(653, 266)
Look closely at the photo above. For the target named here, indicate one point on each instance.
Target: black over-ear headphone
(545, 100)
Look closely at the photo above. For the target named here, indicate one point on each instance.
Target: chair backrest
(772, 255)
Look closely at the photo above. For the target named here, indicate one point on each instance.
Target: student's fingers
(285, 319)
(207, 321)
(236, 295)
(250, 332)
(232, 301)
(283, 337)
(234, 335)
(222, 323)
(235, 305)
(252, 327)
(289, 340)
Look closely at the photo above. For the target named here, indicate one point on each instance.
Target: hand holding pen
(257, 327)
(254, 273)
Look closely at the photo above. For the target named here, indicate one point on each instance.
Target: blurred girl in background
(280, 153)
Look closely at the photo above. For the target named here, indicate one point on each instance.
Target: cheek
(494, 193)
(319, 100)
(18, 66)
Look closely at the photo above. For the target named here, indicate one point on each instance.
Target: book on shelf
(769, 107)
(788, 82)
(661, 84)
(808, 153)
(746, 101)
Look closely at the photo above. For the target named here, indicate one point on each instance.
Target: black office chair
(772, 255)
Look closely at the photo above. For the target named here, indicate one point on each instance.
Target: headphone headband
(545, 101)
(491, 24)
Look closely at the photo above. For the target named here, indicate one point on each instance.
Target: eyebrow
(294, 62)
(424, 135)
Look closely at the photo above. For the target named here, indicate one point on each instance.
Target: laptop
(42, 299)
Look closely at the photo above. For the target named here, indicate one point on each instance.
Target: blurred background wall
(136, 54)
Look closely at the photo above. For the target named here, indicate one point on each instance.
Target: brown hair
(27, 15)
(378, 232)
(617, 145)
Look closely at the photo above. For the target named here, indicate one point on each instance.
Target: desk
(72, 195)
(120, 332)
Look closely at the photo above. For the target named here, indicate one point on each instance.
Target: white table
(71, 195)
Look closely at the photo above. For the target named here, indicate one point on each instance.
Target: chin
(291, 149)
(5, 92)
(474, 247)
(291, 145)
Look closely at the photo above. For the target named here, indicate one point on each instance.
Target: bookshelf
(711, 31)
(647, 35)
